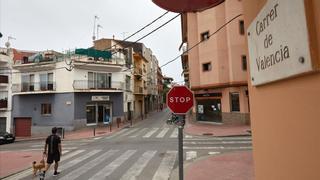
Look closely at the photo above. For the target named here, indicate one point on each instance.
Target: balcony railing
(3, 103)
(138, 71)
(32, 87)
(3, 79)
(138, 90)
(97, 85)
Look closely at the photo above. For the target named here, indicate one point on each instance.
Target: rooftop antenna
(94, 27)
(7, 44)
(98, 26)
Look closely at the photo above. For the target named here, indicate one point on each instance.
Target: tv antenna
(94, 27)
(98, 26)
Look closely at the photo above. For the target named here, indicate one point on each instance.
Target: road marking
(222, 142)
(174, 133)
(163, 133)
(28, 171)
(63, 144)
(216, 147)
(129, 132)
(188, 136)
(87, 166)
(213, 153)
(153, 130)
(79, 159)
(106, 171)
(138, 133)
(219, 139)
(97, 138)
(137, 168)
(166, 165)
(191, 155)
(116, 134)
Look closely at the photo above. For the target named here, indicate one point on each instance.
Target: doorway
(99, 113)
(209, 110)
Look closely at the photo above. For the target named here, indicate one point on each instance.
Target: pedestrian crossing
(137, 163)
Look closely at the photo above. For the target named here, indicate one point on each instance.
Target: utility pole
(94, 27)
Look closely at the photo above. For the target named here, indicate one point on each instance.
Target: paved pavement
(230, 165)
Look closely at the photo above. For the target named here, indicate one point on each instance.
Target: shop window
(241, 27)
(206, 67)
(45, 109)
(244, 62)
(128, 82)
(205, 36)
(234, 102)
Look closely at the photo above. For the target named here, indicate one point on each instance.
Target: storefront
(209, 107)
(99, 113)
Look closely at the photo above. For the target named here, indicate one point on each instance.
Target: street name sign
(278, 42)
(179, 99)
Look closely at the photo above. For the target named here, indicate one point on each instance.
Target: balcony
(138, 72)
(89, 63)
(138, 90)
(34, 87)
(96, 85)
(3, 103)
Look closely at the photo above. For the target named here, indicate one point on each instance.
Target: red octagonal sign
(180, 99)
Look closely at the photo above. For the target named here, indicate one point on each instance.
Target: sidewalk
(203, 128)
(12, 162)
(227, 166)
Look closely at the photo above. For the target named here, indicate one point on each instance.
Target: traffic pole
(180, 149)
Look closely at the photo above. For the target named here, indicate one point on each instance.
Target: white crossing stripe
(106, 171)
(191, 155)
(137, 168)
(216, 147)
(188, 136)
(138, 133)
(27, 172)
(166, 165)
(41, 149)
(116, 134)
(163, 133)
(221, 142)
(213, 153)
(174, 133)
(129, 132)
(65, 151)
(63, 145)
(97, 138)
(87, 166)
(219, 139)
(153, 130)
(77, 160)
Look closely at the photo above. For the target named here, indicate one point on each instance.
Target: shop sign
(100, 98)
(278, 42)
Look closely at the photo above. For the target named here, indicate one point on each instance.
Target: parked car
(6, 137)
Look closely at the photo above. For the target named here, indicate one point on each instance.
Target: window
(205, 36)
(244, 62)
(234, 100)
(99, 80)
(128, 82)
(241, 27)
(45, 109)
(46, 81)
(206, 67)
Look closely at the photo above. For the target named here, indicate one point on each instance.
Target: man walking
(53, 145)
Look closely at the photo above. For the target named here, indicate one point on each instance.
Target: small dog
(38, 166)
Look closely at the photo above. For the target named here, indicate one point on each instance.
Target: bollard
(118, 122)
(94, 131)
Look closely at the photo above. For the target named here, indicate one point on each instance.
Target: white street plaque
(100, 98)
(278, 42)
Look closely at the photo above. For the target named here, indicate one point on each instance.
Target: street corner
(12, 162)
(227, 166)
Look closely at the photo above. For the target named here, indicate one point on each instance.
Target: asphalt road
(147, 150)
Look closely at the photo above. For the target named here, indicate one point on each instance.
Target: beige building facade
(216, 69)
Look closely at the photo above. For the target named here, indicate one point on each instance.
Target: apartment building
(216, 69)
(5, 89)
(71, 90)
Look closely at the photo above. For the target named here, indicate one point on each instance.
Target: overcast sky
(67, 24)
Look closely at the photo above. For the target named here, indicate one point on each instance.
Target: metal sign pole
(180, 149)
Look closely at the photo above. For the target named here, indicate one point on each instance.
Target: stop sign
(179, 99)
